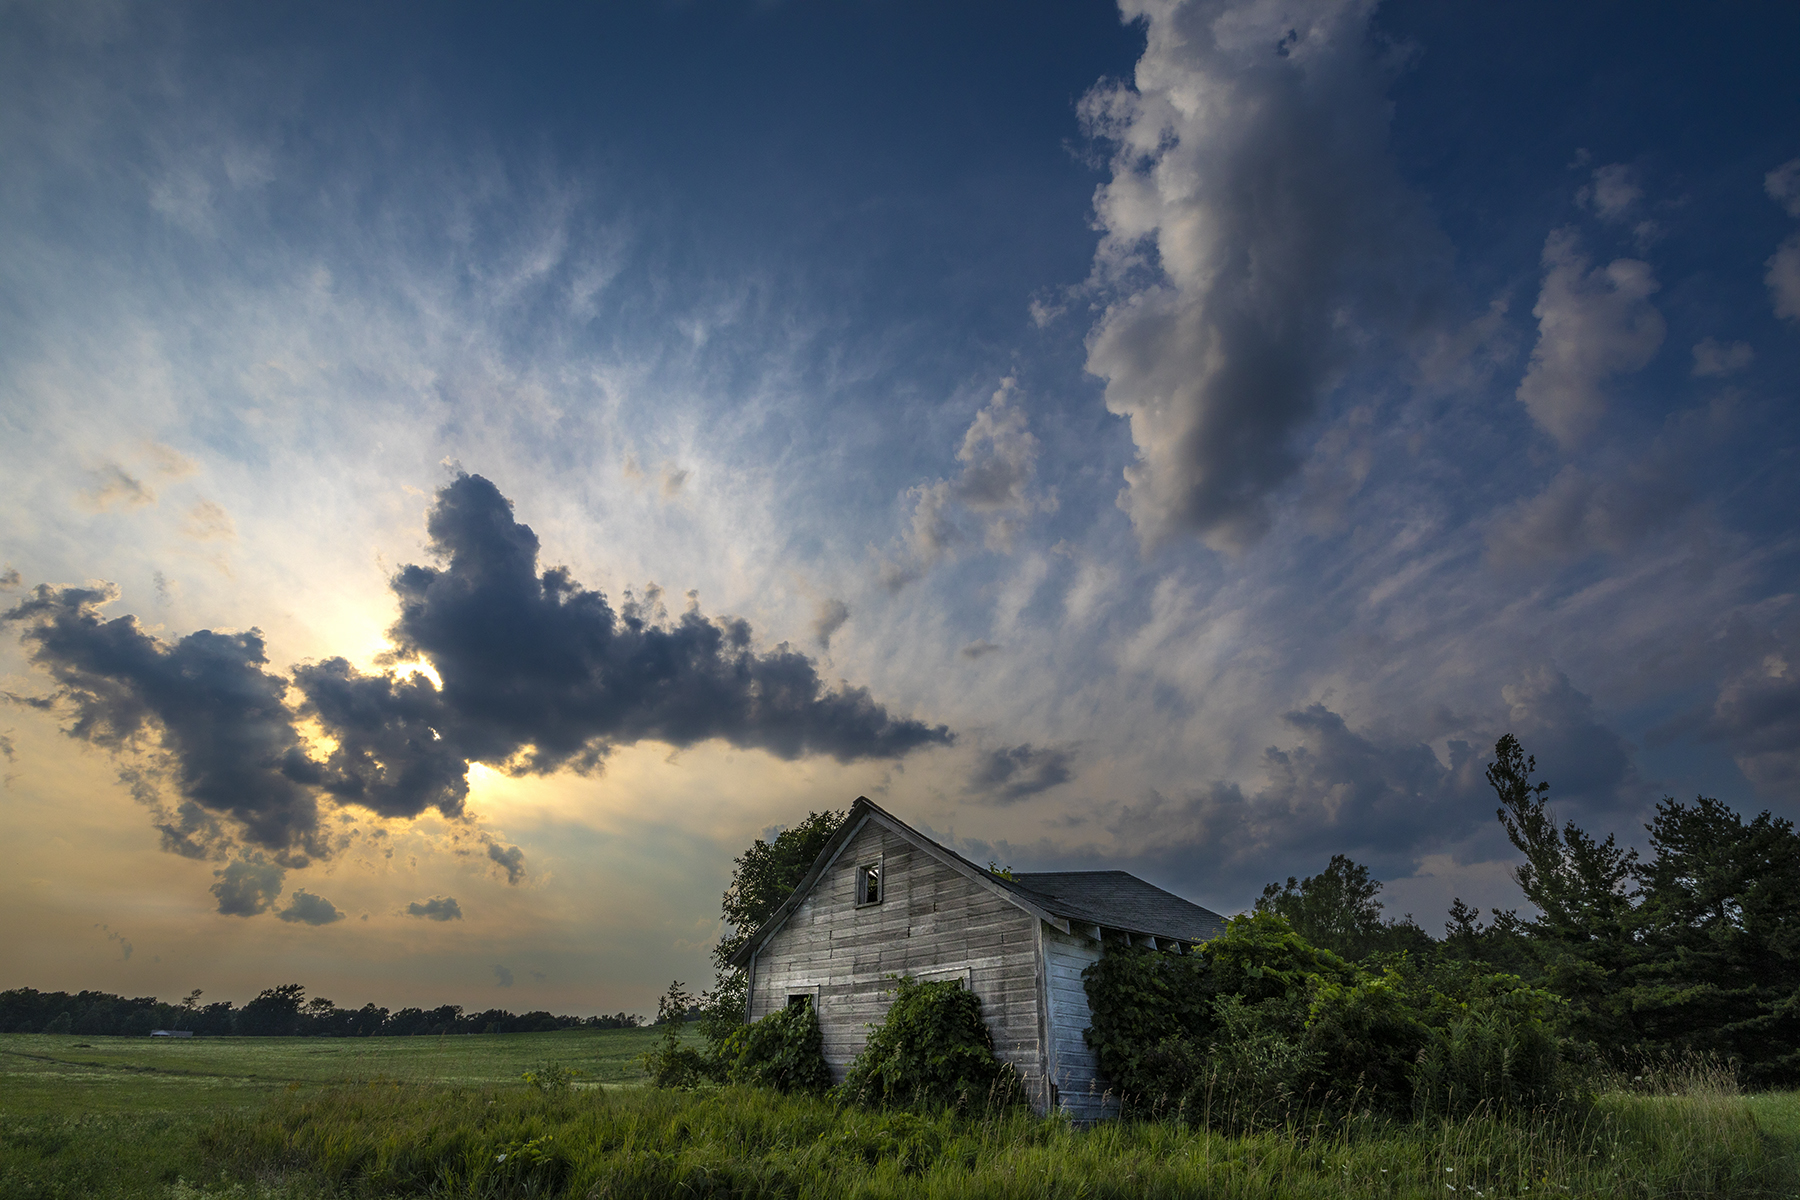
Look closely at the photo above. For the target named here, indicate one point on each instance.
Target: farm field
(303, 1118)
(75, 1075)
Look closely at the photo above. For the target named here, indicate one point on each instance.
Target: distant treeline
(278, 1012)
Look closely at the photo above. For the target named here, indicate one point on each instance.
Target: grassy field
(301, 1118)
(47, 1073)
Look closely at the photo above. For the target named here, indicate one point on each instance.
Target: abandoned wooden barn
(884, 900)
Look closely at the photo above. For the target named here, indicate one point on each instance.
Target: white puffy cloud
(1711, 357)
(1614, 191)
(1783, 186)
(1592, 325)
(1783, 278)
(1253, 228)
(993, 492)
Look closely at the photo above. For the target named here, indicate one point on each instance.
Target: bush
(1497, 1051)
(784, 1050)
(1258, 1025)
(671, 1064)
(932, 1052)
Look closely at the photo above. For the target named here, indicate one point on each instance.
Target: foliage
(1258, 1025)
(276, 1012)
(932, 1052)
(672, 1064)
(1719, 925)
(551, 1076)
(1337, 910)
(405, 1141)
(1677, 1133)
(762, 878)
(784, 1050)
(1695, 948)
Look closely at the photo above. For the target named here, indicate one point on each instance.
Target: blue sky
(1181, 438)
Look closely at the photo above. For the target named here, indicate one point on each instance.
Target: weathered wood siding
(933, 923)
(1080, 1089)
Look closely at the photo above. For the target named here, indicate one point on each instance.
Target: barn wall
(933, 923)
(1080, 1089)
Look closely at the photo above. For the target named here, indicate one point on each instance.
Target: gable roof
(1120, 900)
(1106, 900)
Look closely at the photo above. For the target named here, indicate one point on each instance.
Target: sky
(467, 471)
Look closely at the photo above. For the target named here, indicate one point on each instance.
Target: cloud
(978, 649)
(1713, 358)
(438, 908)
(827, 620)
(124, 943)
(1592, 325)
(312, 910)
(113, 487)
(540, 674)
(9, 579)
(1756, 714)
(1783, 278)
(1783, 186)
(992, 492)
(1253, 231)
(503, 976)
(1012, 773)
(1581, 513)
(207, 522)
(248, 886)
(1614, 191)
(511, 859)
(202, 708)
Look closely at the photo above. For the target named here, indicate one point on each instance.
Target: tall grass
(402, 1140)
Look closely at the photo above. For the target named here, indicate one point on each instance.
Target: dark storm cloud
(1382, 800)
(1015, 772)
(438, 908)
(247, 887)
(503, 976)
(1756, 713)
(511, 859)
(540, 674)
(305, 907)
(220, 724)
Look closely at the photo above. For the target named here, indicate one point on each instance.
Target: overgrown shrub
(1259, 1026)
(932, 1052)
(671, 1064)
(784, 1050)
(1496, 1051)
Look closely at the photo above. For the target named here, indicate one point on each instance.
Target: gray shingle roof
(1120, 900)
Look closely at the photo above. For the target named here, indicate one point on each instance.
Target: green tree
(1720, 921)
(1337, 911)
(1584, 935)
(1577, 883)
(275, 1012)
(762, 878)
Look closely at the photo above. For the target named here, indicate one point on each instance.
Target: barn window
(868, 883)
(800, 1000)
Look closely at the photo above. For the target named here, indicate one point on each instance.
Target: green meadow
(376, 1117)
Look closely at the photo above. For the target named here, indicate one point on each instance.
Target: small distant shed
(882, 900)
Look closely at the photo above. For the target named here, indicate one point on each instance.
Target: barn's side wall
(933, 923)
(1080, 1089)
